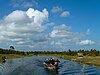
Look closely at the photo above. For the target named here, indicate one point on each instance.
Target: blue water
(34, 66)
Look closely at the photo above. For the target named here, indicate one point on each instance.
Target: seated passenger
(46, 61)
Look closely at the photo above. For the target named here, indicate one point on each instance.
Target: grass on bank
(13, 56)
(90, 60)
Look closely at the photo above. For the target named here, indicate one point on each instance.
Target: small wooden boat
(50, 66)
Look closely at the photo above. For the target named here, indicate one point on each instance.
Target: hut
(80, 54)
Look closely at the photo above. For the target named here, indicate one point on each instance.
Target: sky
(50, 25)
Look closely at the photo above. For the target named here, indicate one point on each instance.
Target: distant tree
(12, 47)
(69, 50)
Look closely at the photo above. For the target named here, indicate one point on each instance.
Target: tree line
(91, 52)
(10, 51)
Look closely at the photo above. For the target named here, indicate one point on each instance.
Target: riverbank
(90, 60)
(12, 56)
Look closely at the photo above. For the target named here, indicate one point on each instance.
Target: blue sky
(50, 24)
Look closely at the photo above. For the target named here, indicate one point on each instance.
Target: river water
(34, 66)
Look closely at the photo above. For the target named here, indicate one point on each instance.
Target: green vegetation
(92, 52)
(91, 57)
(5, 53)
(90, 60)
(10, 56)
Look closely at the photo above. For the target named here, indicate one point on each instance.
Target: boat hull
(50, 67)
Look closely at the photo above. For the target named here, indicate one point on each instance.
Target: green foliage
(6, 51)
(92, 52)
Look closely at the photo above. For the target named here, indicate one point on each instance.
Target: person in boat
(56, 62)
(49, 61)
(52, 61)
(46, 60)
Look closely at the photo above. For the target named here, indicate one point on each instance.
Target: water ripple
(34, 66)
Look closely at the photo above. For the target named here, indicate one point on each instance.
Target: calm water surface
(34, 66)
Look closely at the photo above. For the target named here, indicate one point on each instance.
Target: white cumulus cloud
(65, 14)
(61, 31)
(64, 37)
(16, 16)
(56, 9)
(38, 16)
(86, 42)
(24, 27)
(27, 30)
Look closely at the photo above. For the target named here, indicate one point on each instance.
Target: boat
(51, 64)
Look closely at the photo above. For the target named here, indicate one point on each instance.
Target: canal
(34, 66)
